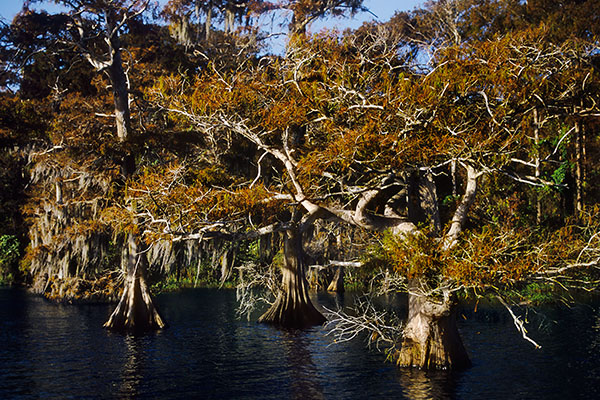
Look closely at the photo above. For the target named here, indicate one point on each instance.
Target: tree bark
(460, 215)
(208, 22)
(428, 202)
(120, 89)
(59, 191)
(337, 283)
(538, 170)
(293, 308)
(454, 178)
(431, 337)
(297, 26)
(579, 168)
(135, 312)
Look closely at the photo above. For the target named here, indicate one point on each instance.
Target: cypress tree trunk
(293, 308)
(337, 283)
(431, 337)
(538, 170)
(120, 90)
(208, 22)
(135, 312)
(579, 168)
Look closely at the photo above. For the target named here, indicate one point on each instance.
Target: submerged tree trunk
(431, 337)
(135, 312)
(293, 308)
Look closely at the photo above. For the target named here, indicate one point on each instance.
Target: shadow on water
(14, 372)
(303, 374)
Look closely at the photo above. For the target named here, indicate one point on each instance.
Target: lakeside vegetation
(450, 153)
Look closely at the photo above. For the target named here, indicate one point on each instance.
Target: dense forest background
(448, 152)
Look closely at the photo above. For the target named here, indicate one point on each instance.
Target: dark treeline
(449, 152)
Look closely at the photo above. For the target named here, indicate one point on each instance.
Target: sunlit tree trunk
(337, 283)
(459, 218)
(229, 20)
(431, 338)
(454, 178)
(293, 307)
(579, 167)
(208, 22)
(538, 172)
(135, 312)
(297, 26)
(120, 89)
(59, 190)
(198, 20)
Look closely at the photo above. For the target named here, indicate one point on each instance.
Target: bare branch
(382, 329)
(519, 324)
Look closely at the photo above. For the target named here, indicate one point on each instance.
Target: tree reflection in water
(425, 385)
(303, 371)
(131, 374)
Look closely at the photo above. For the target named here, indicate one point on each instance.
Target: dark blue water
(61, 351)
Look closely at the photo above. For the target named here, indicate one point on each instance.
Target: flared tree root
(289, 311)
(431, 337)
(135, 312)
(293, 307)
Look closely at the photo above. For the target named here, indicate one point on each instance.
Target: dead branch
(519, 324)
(383, 329)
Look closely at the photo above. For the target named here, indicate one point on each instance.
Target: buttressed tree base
(293, 307)
(135, 312)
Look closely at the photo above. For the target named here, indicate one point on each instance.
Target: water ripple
(56, 351)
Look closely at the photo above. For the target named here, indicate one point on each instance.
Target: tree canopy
(456, 142)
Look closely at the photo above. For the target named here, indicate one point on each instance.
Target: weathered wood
(337, 283)
(431, 337)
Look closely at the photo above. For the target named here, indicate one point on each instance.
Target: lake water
(61, 351)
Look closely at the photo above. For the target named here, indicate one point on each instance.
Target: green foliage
(362, 279)
(9, 256)
(171, 283)
(538, 293)
(203, 275)
(450, 200)
(248, 252)
(347, 110)
(559, 175)
(377, 256)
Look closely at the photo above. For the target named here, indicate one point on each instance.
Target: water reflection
(131, 374)
(424, 385)
(15, 377)
(303, 372)
(339, 300)
(53, 351)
